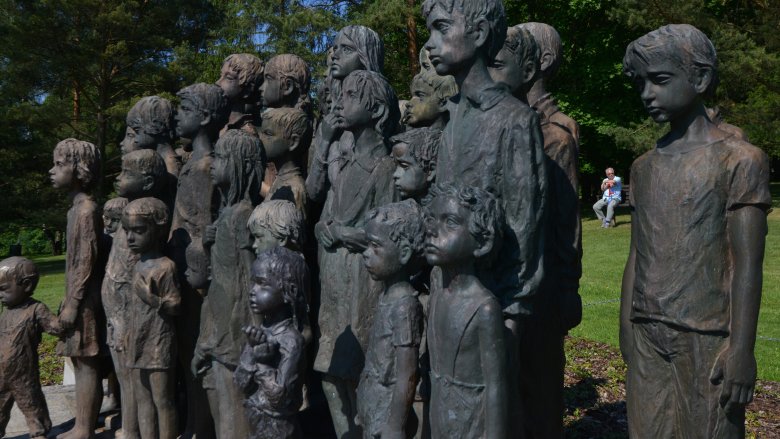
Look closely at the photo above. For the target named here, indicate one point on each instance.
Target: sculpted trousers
(668, 388)
(226, 402)
(599, 207)
(29, 397)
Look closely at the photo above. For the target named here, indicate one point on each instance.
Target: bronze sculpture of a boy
(414, 152)
(692, 288)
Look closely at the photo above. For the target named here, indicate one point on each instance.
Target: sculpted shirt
(682, 203)
(289, 185)
(20, 334)
(151, 337)
(494, 141)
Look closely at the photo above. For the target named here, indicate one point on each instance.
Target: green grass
(604, 256)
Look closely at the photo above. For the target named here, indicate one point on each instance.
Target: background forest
(72, 68)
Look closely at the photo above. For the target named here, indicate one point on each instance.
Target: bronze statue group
(424, 260)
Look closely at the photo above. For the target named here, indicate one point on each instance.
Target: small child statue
(75, 171)
(387, 384)
(286, 134)
(468, 357)
(414, 152)
(22, 321)
(430, 94)
(240, 80)
(150, 126)
(692, 284)
(272, 367)
(151, 340)
(277, 223)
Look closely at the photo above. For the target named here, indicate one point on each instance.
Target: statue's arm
(403, 391)
(492, 352)
(736, 365)
(626, 297)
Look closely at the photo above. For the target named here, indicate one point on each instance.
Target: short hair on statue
(474, 10)
(249, 68)
(282, 218)
(523, 45)
(406, 222)
(151, 209)
(373, 89)
(207, 97)
(19, 269)
(293, 121)
(85, 158)
(444, 87)
(294, 68)
(145, 162)
(423, 145)
(549, 41)
(154, 114)
(114, 207)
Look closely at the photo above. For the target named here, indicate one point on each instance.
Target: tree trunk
(76, 101)
(411, 39)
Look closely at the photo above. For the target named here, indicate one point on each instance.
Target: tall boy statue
(692, 284)
(492, 141)
(557, 307)
(469, 392)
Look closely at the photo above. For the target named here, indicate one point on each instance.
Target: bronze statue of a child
(468, 357)
(286, 134)
(22, 321)
(557, 307)
(286, 83)
(492, 141)
(237, 172)
(272, 367)
(150, 333)
(277, 223)
(414, 152)
(368, 108)
(75, 171)
(428, 104)
(692, 284)
(395, 235)
(240, 79)
(150, 126)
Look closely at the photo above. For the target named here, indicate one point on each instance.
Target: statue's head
(365, 92)
(550, 47)
(517, 64)
(277, 223)
(143, 174)
(112, 214)
(18, 278)
(286, 76)
(395, 235)
(356, 48)
(202, 106)
(415, 152)
(241, 77)
(149, 123)
(280, 279)
(145, 222)
(76, 165)
(285, 132)
(238, 167)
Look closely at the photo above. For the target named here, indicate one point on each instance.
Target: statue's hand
(254, 335)
(200, 364)
(735, 370)
(329, 129)
(68, 317)
(324, 234)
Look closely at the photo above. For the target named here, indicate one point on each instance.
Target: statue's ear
(287, 87)
(485, 247)
(27, 285)
(546, 60)
(405, 253)
(481, 30)
(529, 71)
(295, 141)
(148, 183)
(431, 177)
(206, 118)
(703, 79)
(378, 111)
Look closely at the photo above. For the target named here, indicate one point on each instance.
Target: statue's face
(220, 174)
(141, 234)
(111, 222)
(666, 90)
(271, 90)
(274, 141)
(352, 111)
(266, 293)
(345, 59)
(506, 69)
(448, 241)
(129, 183)
(229, 83)
(12, 293)
(424, 107)
(409, 177)
(449, 46)
(188, 119)
(382, 256)
(62, 174)
(264, 240)
(135, 139)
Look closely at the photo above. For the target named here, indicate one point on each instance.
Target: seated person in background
(611, 187)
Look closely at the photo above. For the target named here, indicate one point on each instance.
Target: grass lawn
(604, 255)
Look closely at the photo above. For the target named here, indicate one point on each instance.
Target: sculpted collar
(545, 105)
(484, 98)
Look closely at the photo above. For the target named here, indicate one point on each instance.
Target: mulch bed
(596, 388)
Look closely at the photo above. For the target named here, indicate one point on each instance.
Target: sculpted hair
(370, 49)
(249, 68)
(294, 68)
(114, 207)
(19, 269)
(444, 87)
(293, 121)
(423, 145)
(524, 46)
(150, 209)
(324, 92)
(154, 115)
(373, 90)
(208, 97)
(486, 221)
(246, 164)
(548, 41)
(684, 45)
(473, 10)
(280, 217)
(85, 158)
(146, 162)
(406, 222)
(289, 269)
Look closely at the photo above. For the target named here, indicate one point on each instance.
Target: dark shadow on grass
(593, 420)
(51, 267)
